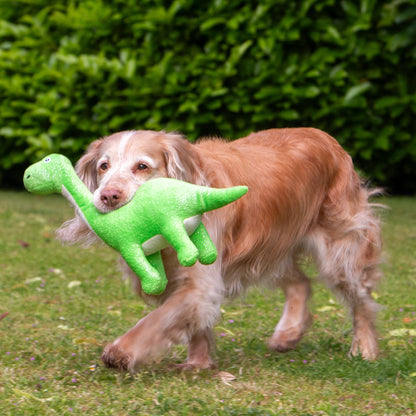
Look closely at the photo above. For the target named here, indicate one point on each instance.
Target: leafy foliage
(71, 71)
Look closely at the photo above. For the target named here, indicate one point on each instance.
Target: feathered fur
(304, 200)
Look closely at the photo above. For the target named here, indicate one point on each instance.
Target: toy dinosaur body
(162, 212)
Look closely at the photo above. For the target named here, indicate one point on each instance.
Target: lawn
(65, 303)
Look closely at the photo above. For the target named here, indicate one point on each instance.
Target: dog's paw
(196, 365)
(283, 342)
(115, 357)
(368, 348)
(286, 338)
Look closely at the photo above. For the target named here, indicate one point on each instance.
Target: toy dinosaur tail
(214, 198)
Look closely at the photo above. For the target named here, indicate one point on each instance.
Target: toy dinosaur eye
(47, 160)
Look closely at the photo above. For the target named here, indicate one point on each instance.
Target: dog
(305, 200)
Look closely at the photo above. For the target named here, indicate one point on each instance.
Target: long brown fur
(304, 200)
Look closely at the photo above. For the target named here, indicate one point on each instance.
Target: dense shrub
(71, 71)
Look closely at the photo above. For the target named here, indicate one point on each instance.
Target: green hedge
(71, 71)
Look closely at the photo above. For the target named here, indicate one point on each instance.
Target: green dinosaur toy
(163, 212)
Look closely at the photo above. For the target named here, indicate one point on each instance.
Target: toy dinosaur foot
(207, 250)
(115, 357)
(188, 256)
(208, 257)
(155, 286)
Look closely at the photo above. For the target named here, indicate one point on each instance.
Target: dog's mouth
(104, 209)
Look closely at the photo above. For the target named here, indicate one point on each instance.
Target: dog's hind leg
(349, 265)
(199, 351)
(296, 318)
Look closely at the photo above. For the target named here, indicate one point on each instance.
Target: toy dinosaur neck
(77, 194)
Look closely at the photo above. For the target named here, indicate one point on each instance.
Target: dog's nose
(111, 197)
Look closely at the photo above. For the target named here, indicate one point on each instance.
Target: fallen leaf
(326, 309)
(18, 286)
(397, 342)
(84, 340)
(58, 272)
(33, 280)
(398, 332)
(114, 312)
(3, 315)
(64, 327)
(24, 244)
(401, 332)
(52, 301)
(31, 396)
(74, 283)
(225, 377)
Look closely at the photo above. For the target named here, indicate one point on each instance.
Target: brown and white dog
(304, 200)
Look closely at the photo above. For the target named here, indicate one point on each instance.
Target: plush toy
(163, 212)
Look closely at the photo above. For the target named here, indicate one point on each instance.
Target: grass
(65, 303)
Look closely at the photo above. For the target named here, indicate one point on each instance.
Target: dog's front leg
(296, 317)
(137, 346)
(187, 316)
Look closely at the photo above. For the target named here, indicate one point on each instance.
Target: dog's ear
(182, 160)
(86, 167)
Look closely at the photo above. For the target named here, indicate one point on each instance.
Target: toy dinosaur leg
(156, 261)
(178, 238)
(207, 250)
(149, 269)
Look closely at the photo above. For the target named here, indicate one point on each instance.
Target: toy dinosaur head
(46, 176)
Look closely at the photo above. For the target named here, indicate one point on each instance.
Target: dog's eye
(142, 166)
(104, 166)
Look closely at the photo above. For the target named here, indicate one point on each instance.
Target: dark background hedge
(71, 71)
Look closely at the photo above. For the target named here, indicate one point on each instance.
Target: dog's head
(114, 167)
